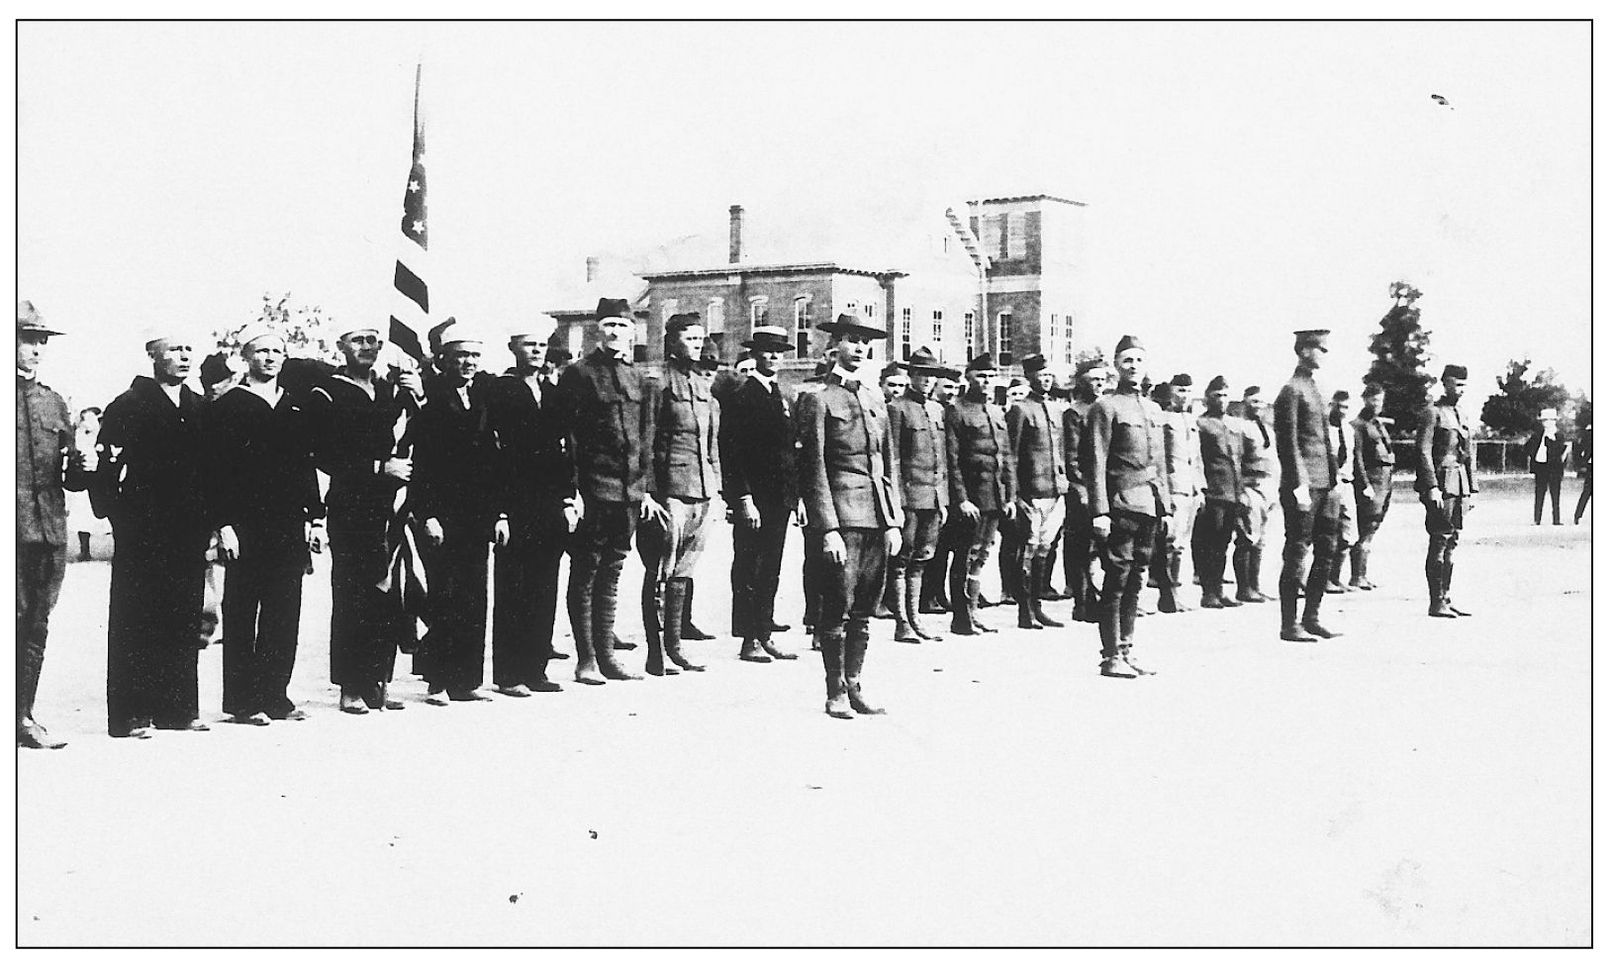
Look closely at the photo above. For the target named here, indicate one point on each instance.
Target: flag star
(418, 226)
(414, 186)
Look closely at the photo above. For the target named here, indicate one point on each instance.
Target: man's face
(1018, 391)
(895, 384)
(1373, 402)
(1216, 402)
(1092, 382)
(170, 361)
(1045, 379)
(616, 333)
(1131, 365)
(1454, 386)
(1253, 406)
(946, 389)
(30, 348)
(767, 361)
(1337, 409)
(1311, 356)
(265, 356)
(462, 359)
(687, 343)
(1179, 397)
(360, 348)
(528, 353)
(851, 350)
(922, 382)
(981, 381)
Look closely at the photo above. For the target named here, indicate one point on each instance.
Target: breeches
(850, 590)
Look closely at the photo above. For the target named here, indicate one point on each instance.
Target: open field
(1414, 782)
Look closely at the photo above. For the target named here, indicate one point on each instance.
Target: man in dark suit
(757, 446)
(1308, 490)
(1088, 385)
(981, 492)
(1583, 462)
(848, 480)
(48, 463)
(1445, 483)
(1221, 448)
(1035, 447)
(917, 437)
(1125, 466)
(1548, 453)
(265, 504)
(1375, 465)
(149, 484)
(605, 404)
(538, 498)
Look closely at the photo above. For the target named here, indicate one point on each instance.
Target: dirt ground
(1415, 782)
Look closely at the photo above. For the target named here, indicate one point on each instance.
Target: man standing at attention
(1308, 490)
(848, 481)
(1375, 461)
(917, 438)
(1547, 453)
(1344, 439)
(1259, 500)
(1185, 479)
(48, 463)
(1086, 388)
(1221, 449)
(1445, 483)
(1125, 462)
(1039, 464)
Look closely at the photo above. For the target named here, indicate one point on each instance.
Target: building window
(1015, 236)
(936, 328)
(804, 327)
(969, 335)
(714, 315)
(907, 333)
(1070, 339)
(1005, 338)
(868, 310)
(759, 311)
(992, 235)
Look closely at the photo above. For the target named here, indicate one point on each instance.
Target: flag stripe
(411, 285)
(404, 338)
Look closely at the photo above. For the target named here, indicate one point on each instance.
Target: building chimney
(736, 224)
(591, 268)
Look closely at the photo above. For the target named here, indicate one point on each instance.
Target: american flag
(410, 311)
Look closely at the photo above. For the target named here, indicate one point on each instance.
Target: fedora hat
(845, 324)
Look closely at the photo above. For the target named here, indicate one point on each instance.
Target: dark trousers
(850, 590)
(262, 611)
(1310, 539)
(526, 586)
(598, 551)
(1444, 523)
(452, 653)
(1078, 536)
(1585, 495)
(1011, 548)
(1213, 533)
(152, 627)
(921, 531)
(812, 577)
(366, 622)
(1126, 555)
(754, 576)
(40, 569)
(1549, 483)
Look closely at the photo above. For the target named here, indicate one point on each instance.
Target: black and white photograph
(804, 482)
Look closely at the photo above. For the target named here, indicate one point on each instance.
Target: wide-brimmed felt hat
(845, 324)
(983, 363)
(31, 322)
(923, 361)
(768, 339)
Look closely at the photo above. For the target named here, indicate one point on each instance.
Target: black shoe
(32, 734)
(1333, 588)
(1116, 668)
(1314, 627)
(776, 628)
(137, 731)
(622, 644)
(750, 651)
(195, 724)
(1458, 611)
(768, 646)
(1442, 611)
(514, 691)
(257, 719)
(555, 654)
(545, 687)
(1294, 633)
(295, 714)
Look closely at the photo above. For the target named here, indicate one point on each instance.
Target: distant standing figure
(1445, 483)
(1375, 465)
(1308, 490)
(1583, 461)
(1548, 453)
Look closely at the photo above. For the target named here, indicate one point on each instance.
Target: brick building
(1035, 246)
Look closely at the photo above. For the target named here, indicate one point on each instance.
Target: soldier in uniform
(605, 405)
(1221, 445)
(1185, 479)
(1124, 464)
(757, 442)
(538, 499)
(356, 414)
(981, 490)
(1344, 439)
(918, 440)
(1445, 482)
(683, 480)
(149, 484)
(812, 543)
(1035, 447)
(848, 481)
(1375, 461)
(1308, 489)
(893, 383)
(1086, 388)
(48, 463)
(1258, 503)
(1011, 531)
(933, 597)
(266, 508)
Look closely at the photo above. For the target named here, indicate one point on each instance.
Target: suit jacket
(918, 434)
(534, 469)
(684, 447)
(1557, 449)
(1375, 458)
(605, 404)
(1445, 451)
(1221, 449)
(455, 479)
(1583, 453)
(1305, 445)
(261, 469)
(979, 470)
(47, 463)
(1126, 456)
(149, 481)
(1035, 446)
(1185, 469)
(757, 441)
(846, 469)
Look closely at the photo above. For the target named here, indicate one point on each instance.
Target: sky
(1242, 179)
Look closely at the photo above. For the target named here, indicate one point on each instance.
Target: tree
(1399, 355)
(1090, 357)
(306, 329)
(1519, 399)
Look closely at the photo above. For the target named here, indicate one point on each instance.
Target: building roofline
(733, 268)
(1026, 199)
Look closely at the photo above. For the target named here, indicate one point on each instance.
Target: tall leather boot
(673, 636)
(656, 604)
(1359, 566)
(1252, 568)
(857, 648)
(963, 599)
(933, 590)
(907, 604)
(1111, 663)
(1046, 591)
(1310, 620)
(1434, 575)
(1168, 602)
(1039, 565)
(1029, 619)
(890, 604)
(1445, 588)
(1289, 605)
(691, 632)
(605, 640)
(1241, 575)
(914, 583)
(972, 587)
(833, 646)
(581, 609)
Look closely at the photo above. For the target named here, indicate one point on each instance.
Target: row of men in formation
(602, 456)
